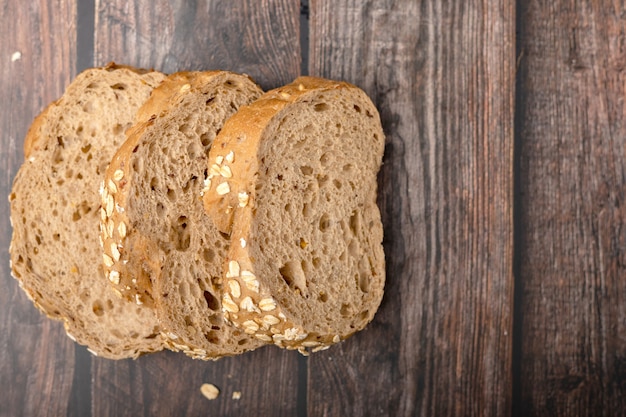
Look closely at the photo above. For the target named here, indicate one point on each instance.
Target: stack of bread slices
(195, 212)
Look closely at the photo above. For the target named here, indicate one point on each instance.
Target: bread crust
(255, 305)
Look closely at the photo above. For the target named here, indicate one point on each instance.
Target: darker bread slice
(160, 247)
(55, 253)
(306, 266)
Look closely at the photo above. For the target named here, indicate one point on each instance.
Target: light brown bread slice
(306, 264)
(55, 251)
(160, 247)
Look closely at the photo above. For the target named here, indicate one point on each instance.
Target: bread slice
(160, 247)
(55, 252)
(306, 265)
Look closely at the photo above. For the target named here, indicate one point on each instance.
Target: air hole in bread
(208, 254)
(56, 237)
(288, 207)
(210, 100)
(92, 85)
(212, 337)
(321, 107)
(355, 222)
(317, 262)
(369, 114)
(363, 280)
(56, 156)
(82, 209)
(160, 209)
(293, 275)
(306, 170)
(364, 315)
(357, 108)
(184, 128)
(171, 195)
(194, 150)
(337, 184)
(323, 297)
(212, 303)
(69, 173)
(118, 129)
(353, 248)
(179, 234)
(322, 180)
(79, 176)
(324, 222)
(346, 310)
(154, 183)
(79, 132)
(88, 107)
(206, 139)
(119, 86)
(325, 159)
(97, 308)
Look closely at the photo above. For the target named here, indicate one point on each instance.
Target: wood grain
(262, 40)
(36, 358)
(572, 217)
(442, 75)
(259, 38)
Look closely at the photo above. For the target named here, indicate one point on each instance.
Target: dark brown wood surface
(502, 196)
(572, 209)
(442, 77)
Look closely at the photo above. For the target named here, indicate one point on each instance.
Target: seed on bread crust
(118, 175)
(242, 242)
(230, 157)
(219, 159)
(223, 188)
(235, 289)
(250, 327)
(114, 277)
(233, 269)
(110, 204)
(121, 230)
(243, 198)
(229, 305)
(270, 320)
(263, 337)
(107, 260)
(112, 187)
(226, 172)
(248, 305)
(267, 304)
(115, 252)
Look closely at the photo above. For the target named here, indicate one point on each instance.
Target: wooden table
(502, 195)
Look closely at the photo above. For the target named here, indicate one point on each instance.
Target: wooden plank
(38, 58)
(260, 38)
(572, 208)
(442, 75)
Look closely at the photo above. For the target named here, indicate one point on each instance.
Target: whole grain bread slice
(305, 268)
(55, 252)
(160, 248)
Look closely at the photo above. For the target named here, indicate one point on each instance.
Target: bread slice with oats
(306, 267)
(55, 253)
(160, 248)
